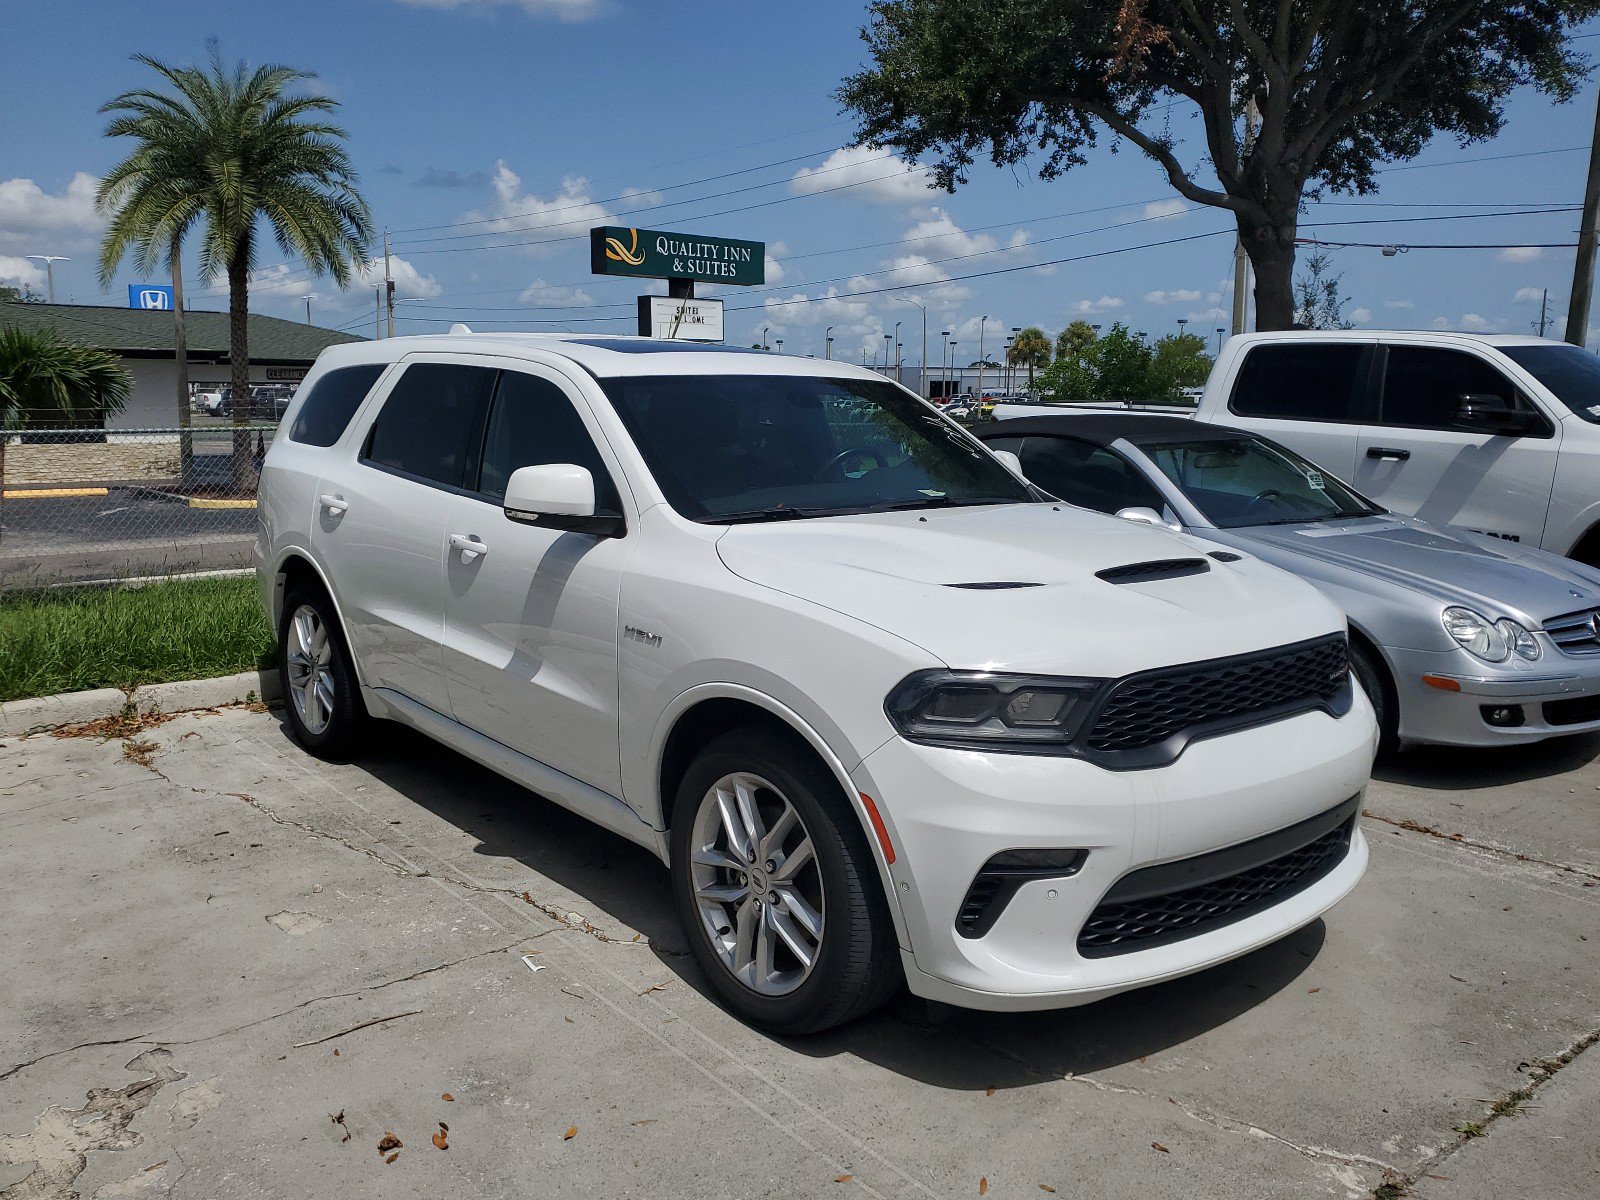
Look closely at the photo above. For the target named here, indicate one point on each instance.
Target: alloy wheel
(757, 884)
(309, 657)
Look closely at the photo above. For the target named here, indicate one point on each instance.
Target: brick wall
(150, 460)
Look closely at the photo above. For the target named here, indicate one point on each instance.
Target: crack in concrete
(22, 1066)
(1459, 839)
(445, 966)
(1397, 1184)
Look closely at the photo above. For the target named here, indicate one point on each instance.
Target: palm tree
(44, 378)
(1030, 348)
(232, 146)
(1073, 342)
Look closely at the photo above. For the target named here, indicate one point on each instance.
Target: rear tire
(776, 887)
(321, 698)
(1374, 680)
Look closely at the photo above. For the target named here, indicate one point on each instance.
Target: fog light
(1502, 716)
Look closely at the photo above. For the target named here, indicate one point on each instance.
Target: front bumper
(949, 811)
(1455, 718)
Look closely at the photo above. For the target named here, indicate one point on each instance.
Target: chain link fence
(93, 504)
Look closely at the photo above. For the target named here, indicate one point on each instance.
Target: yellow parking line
(51, 493)
(193, 503)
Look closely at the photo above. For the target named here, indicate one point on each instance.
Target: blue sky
(480, 126)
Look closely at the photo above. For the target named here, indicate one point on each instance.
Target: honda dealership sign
(150, 295)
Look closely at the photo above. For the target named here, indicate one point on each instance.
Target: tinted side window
(432, 423)
(1086, 475)
(1299, 382)
(533, 423)
(331, 402)
(1423, 386)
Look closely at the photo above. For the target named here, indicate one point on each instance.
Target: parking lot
(235, 970)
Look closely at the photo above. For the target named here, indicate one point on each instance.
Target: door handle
(469, 545)
(1388, 452)
(334, 504)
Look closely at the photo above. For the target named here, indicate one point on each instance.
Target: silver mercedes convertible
(1458, 638)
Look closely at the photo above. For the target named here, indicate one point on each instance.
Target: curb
(37, 714)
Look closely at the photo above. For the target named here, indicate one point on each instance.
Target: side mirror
(557, 496)
(1489, 412)
(1012, 462)
(1144, 516)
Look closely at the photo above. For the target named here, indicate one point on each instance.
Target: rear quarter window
(327, 408)
(1299, 382)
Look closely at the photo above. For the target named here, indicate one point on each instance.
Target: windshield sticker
(1314, 478)
(935, 492)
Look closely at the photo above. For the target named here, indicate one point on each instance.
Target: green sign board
(653, 254)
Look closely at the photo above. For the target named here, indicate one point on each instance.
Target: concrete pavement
(218, 946)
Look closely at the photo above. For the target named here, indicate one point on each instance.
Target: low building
(280, 351)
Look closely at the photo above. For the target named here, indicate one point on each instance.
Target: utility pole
(1544, 311)
(388, 281)
(944, 363)
(1583, 269)
(50, 261)
(1241, 260)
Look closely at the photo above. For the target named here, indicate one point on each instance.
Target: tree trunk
(1271, 250)
(180, 352)
(244, 473)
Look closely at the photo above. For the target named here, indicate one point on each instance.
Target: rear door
(531, 627)
(1415, 457)
(1309, 395)
(380, 522)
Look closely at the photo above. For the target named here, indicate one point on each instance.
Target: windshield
(767, 447)
(1245, 481)
(1567, 371)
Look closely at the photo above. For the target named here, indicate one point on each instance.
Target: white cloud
(21, 272)
(1477, 323)
(1177, 296)
(1104, 304)
(561, 10)
(1519, 254)
(567, 214)
(1205, 316)
(776, 251)
(1158, 209)
(27, 210)
(290, 283)
(1360, 316)
(550, 295)
(1528, 295)
(940, 237)
(880, 174)
(1398, 304)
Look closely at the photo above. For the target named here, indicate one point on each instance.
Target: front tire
(1374, 681)
(322, 700)
(776, 887)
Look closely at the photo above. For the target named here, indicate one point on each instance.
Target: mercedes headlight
(1492, 641)
(993, 711)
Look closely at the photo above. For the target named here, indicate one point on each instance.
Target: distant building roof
(146, 333)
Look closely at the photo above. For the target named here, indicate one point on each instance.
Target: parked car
(209, 401)
(888, 715)
(268, 402)
(1458, 639)
(1500, 435)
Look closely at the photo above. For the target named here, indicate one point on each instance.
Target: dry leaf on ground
(388, 1142)
(843, 1178)
(1045, 1187)
(392, 1157)
(983, 1185)
(1160, 1147)
(441, 1141)
(447, 1096)
(988, 1091)
(572, 1132)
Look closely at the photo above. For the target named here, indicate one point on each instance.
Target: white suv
(888, 713)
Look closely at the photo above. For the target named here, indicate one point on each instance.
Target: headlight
(999, 712)
(1481, 636)
(1519, 639)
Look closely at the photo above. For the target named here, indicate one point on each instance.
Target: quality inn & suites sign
(654, 254)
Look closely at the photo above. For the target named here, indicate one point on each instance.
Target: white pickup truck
(1500, 435)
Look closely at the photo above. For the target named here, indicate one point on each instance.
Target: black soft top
(1103, 428)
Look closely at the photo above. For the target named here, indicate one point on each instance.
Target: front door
(1417, 459)
(530, 638)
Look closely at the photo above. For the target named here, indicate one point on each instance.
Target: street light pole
(308, 299)
(887, 338)
(388, 281)
(944, 362)
(827, 344)
(897, 352)
(922, 363)
(1219, 339)
(50, 261)
(983, 321)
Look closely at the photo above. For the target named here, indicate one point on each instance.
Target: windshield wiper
(777, 512)
(941, 501)
(1308, 520)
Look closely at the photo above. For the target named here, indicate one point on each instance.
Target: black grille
(1577, 711)
(1128, 919)
(1146, 710)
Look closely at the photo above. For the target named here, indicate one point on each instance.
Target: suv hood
(903, 572)
(1451, 566)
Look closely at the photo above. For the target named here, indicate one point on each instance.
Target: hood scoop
(993, 585)
(1149, 572)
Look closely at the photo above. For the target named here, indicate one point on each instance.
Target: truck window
(1423, 386)
(1567, 371)
(1297, 381)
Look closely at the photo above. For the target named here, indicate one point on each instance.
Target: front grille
(1146, 710)
(1136, 916)
(1576, 633)
(1577, 711)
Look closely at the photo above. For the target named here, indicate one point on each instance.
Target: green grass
(77, 638)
